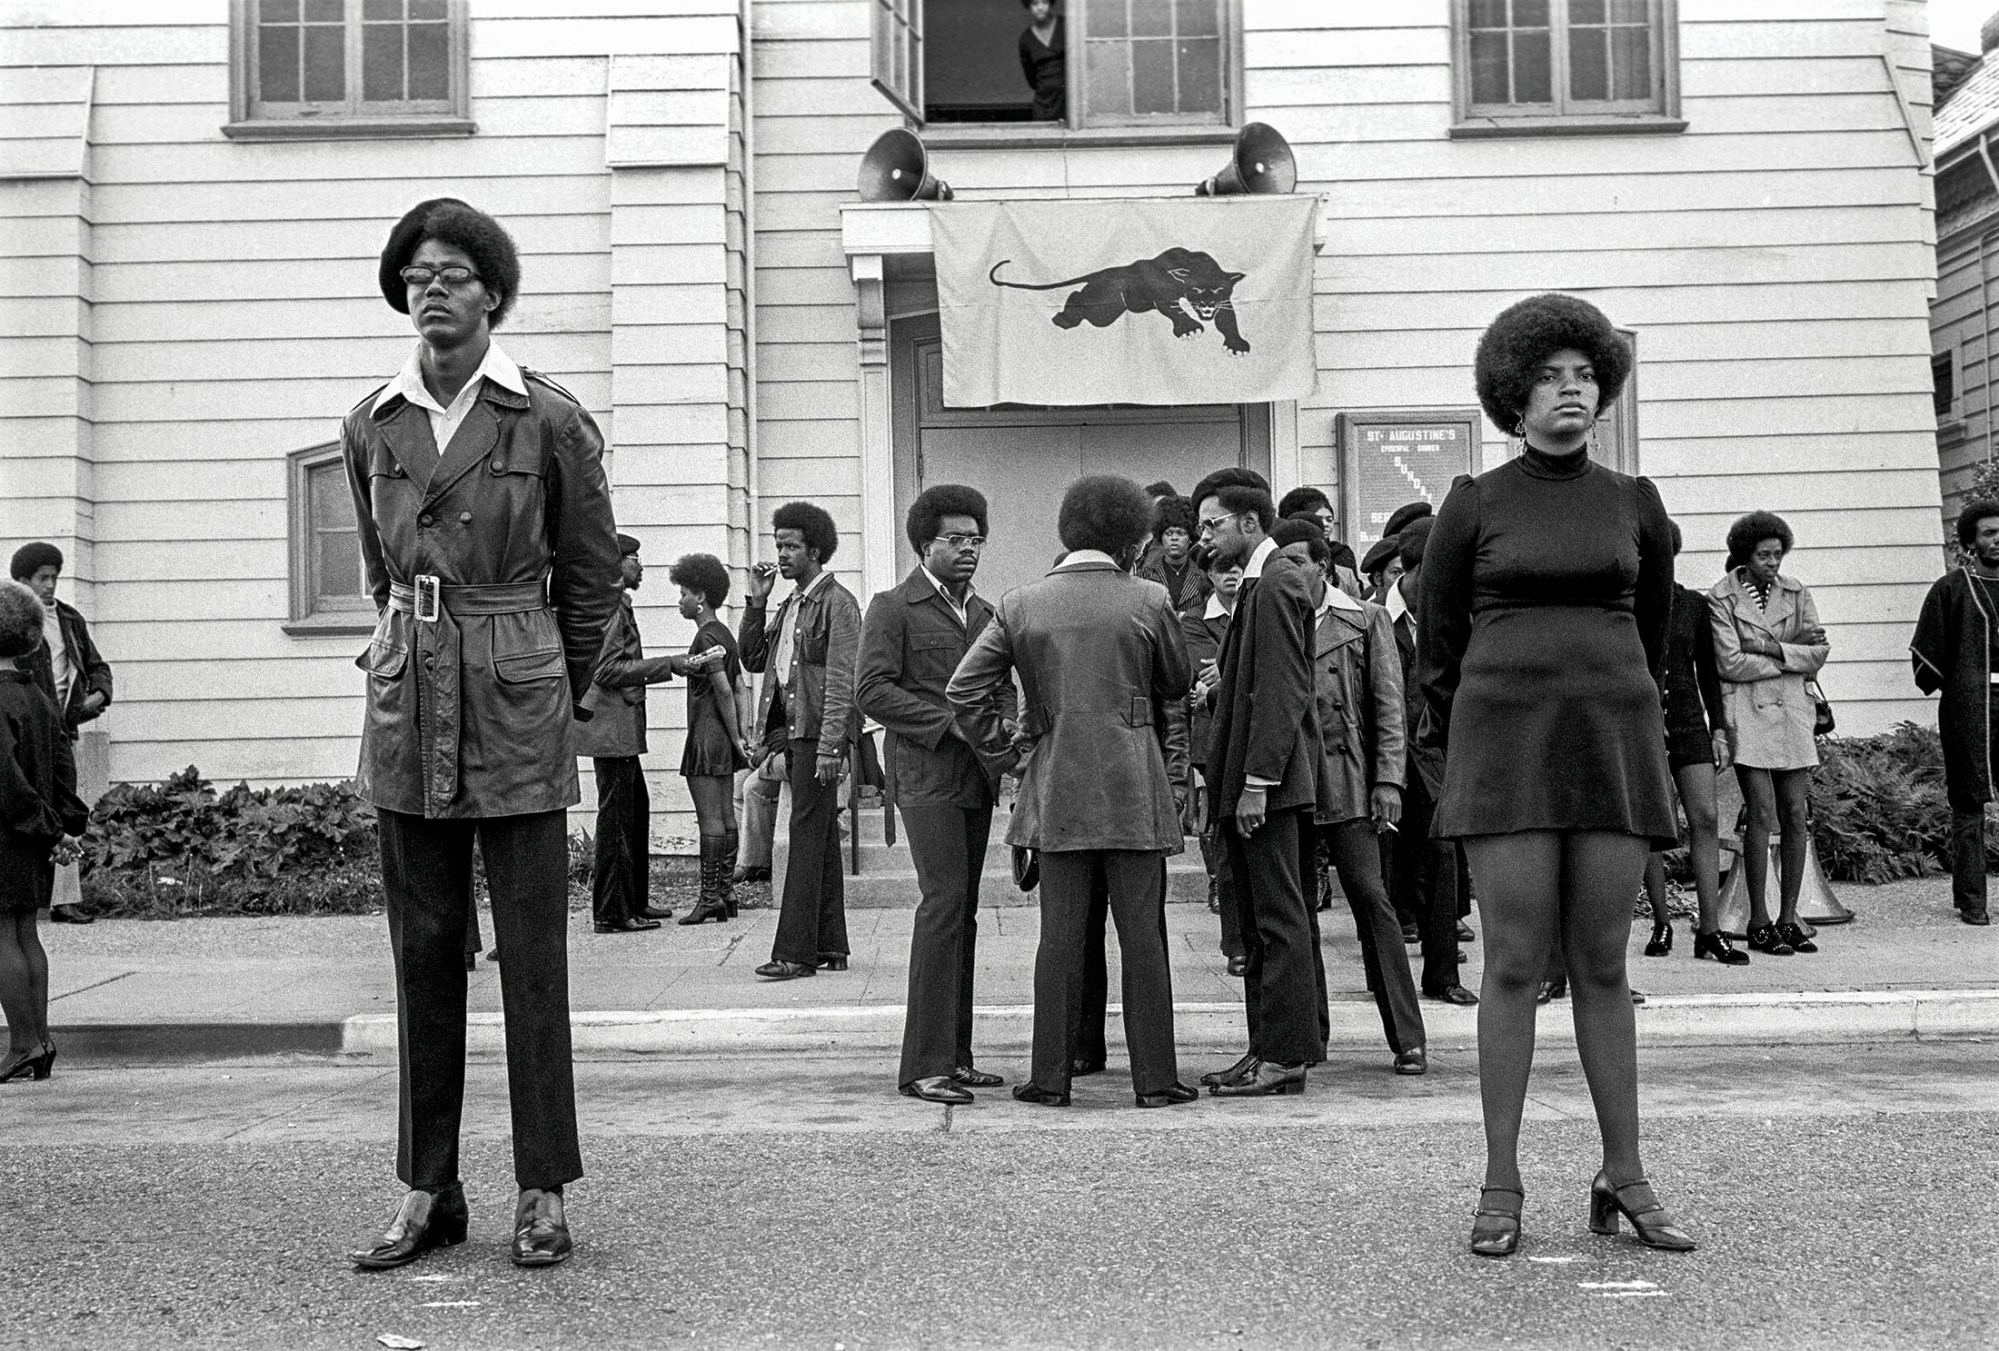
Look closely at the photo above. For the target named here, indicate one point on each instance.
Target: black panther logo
(1188, 287)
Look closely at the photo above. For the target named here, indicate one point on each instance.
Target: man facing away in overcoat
(1954, 655)
(807, 652)
(1099, 653)
(488, 545)
(1263, 778)
(912, 639)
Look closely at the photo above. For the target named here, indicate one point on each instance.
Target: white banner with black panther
(1176, 301)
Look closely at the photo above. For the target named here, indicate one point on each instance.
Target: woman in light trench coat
(1767, 645)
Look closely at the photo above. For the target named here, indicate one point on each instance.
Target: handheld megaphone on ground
(1261, 162)
(897, 169)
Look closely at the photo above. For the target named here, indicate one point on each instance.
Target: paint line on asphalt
(94, 985)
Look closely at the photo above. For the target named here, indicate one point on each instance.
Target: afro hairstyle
(934, 503)
(1303, 528)
(1160, 488)
(1240, 491)
(1174, 513)
(450, 221)
(21, 618)
(1103, 512)
(703, 573)
(1679, 540)
(1526, 334)
(1414, 539)
(1302, 499)
(1967, 520)
(1751, 530)
(810, 520)
(31, 558)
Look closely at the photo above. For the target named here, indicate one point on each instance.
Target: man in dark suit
(1204, 628)
(1426, 871)
(806, 711)
(1099, 654)
(1263, 781)
(911, 641)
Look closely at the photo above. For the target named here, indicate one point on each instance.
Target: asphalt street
(1842, 1196)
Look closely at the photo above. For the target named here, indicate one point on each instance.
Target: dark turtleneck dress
(1546, 591)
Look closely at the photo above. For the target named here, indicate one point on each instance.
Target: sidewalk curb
(1665, 1020)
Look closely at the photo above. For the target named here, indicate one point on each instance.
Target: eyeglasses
(962, 541)
(1211, 523)
(418, 275)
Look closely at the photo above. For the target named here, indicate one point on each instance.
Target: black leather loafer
(783, 970)
(541, 1231)
(654, 912)
(1465, 935)
(1171, 1096)
(1412, 1061)
(967, 1077)
(423, 1221)
(1268, 1080)
(936, 1088)
(833, 961)
(1241, 1067)
(1980, 917)
(630, 924)
(1238, 966)
(1452, 994)
(1041, 1097)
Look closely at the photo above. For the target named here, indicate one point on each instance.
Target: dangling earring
(1595, 445)
(1519, 436)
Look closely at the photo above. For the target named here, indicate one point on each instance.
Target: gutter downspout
(752, 479)
(1985, 289)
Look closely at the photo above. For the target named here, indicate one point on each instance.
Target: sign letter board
(1389, 457)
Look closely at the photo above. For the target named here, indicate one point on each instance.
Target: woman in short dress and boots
(1545, 593)
(1767, 645)
(715, 718)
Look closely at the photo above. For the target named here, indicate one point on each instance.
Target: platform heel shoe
(1496, 1233)
(1715, 947)
(1635, 1202)
(713, 880)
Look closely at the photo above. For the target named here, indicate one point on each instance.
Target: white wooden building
(194, 193)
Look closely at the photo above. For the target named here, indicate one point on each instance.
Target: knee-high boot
(725, 871)
(709, 905)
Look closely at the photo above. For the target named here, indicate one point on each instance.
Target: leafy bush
(1878, 807)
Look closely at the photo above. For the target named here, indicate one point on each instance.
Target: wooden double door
(1023, 458)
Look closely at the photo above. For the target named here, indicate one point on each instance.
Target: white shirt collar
(1396, 605)
(1080, 556)
(943, 590)
(1336, 599)
(1254, 567)
(800, 592)
(496, 366)
(1215, 610)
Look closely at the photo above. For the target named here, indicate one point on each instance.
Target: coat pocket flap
(386, 656)
(516, 668)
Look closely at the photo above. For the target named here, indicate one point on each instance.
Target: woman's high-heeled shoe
(1662, 939)
(1768, 939)
(1716, 948)
(1651, 1222)
(1496, 1233)
(20, 1064)
(46, 1062)
(1795, 935)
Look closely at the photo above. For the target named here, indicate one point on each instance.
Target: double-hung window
(325, 568)
(336, 68)
(1565, 67)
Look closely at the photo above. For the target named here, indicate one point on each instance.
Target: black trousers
(427, 876)
(1133, 886)
(1086, 1026)
(948, 846)
(620, 881)
(1356, 857)
(1967, 859)
(1284, 989)
(813, 921)
(1426, 886)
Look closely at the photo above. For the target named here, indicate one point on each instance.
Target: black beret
(1296, 530)
(1380, 555)
(626, 544)
(402, 245)
(1403, 515)
(30, 559)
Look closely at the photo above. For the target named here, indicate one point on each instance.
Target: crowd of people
(1503, 701)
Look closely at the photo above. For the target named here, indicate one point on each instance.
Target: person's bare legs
(1761, 796)
(1696, 785)
(714, 802)
(1599, 869)
(1790, 786)
(1655, 887)
(24, 987)
(1517, 879)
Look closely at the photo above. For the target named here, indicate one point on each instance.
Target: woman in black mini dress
(1546, 590)
(714, 749)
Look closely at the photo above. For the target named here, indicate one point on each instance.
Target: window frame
(1471, 120)
(1943, 385)
(897, 28)
(1075, 128)
(250, 120)
(310, 615)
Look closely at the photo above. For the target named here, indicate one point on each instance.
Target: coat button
(499, 466)
(426, 519)
(464, 518)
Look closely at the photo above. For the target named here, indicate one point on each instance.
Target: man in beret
(70, 671)
(614, 739)
(488, 545)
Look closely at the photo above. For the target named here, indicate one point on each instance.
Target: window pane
(429, 9)
(1201, 76)
(382, 9)
(325, 11)
(278, 11)
(1109, 77)
(1489, 82)
(325, 65)
(1530, 13)
(1585, 11)
(382, 61)
(1631, 63)
(277, 64)
(1531, 82)
(430, 61)
(1107, 17)
(1631, 11)
(1152, 77)
(1488, 13)
(1198, 18)
(339, 564)
(1151, 18)
(1589, 71)
(332, 504)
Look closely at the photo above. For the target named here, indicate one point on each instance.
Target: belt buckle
(429, 599)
